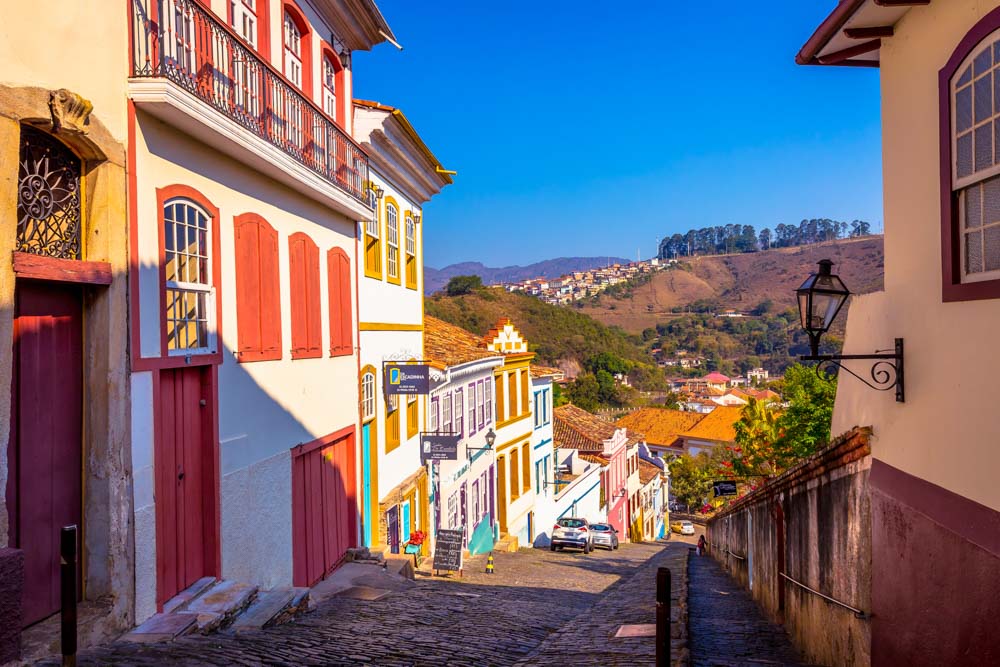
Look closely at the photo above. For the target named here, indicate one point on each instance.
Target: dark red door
(46, 447)
(185, 489)
(324, 511)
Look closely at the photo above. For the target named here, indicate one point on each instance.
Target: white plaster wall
(379, 300)
(943, 432)
(143, 495)
(542, 446)
(585, 493)
(257, 522)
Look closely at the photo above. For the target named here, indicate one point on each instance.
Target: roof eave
(830, 26)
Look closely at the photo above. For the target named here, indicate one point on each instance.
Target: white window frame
(372, 226)
(446, 414)
(481, 403)
(977, 179)
(367, 396)
(391, 240)
(329, 88)
(472, 408)
(245, 21)
(458, 405)
(292, 48)
(432, 417)
(411, 237)
(489, 400)
(200, 289)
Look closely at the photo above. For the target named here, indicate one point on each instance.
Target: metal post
(662, 617)
(67, 589)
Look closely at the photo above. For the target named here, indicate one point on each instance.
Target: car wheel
(586, 548)
(552, 547)
(616, 545)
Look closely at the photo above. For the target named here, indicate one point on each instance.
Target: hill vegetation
(744, 238)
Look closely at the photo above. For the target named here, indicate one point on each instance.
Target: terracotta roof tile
(546, 372)
(450, 345)
(717, 425)
(648, 471)
(578, 429)
(661, 427)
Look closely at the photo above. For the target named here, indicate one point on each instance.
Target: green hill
(559, 336)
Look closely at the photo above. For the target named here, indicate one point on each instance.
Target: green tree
(605, 361)
(459, 285)
(606, 387)
(805, 426)
(558, 395)
(584, 392)
(691, 477)
(757, 434)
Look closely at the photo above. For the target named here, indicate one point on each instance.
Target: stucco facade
(543, 456)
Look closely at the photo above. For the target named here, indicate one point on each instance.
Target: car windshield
(571, 523)
(601, 527)
(686, 524)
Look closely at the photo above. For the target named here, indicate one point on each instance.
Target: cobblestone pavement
(726, 625)
(480, 619)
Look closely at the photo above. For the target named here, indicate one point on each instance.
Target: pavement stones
(521, 615)
(727, 628)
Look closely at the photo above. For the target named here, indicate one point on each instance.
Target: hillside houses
(581, 284)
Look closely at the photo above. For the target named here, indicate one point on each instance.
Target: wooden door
(185, 481)
(46, 445)
(325, 508)
(502, 489)
(366, 483)
(392, 528)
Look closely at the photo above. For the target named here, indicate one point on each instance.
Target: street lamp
(821, 297)
(491, 437)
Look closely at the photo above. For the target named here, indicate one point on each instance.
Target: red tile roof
(575, 428)
(660, 426)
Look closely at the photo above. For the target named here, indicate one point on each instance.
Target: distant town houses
(582, 284)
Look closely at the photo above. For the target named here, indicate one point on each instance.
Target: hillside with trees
(729, 239)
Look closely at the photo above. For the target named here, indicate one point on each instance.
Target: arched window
(392, 242)
(331, 72)
(976, 164)
(368, 396)
(292, 49)
(373, 242)
(248, 18)
(48, 197)
(187, 236)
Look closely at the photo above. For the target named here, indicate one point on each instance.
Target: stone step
(218, 606)
(272, 607)
(182, 599)
(163, 627)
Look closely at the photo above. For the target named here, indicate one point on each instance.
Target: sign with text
(726, 488)
(438, 447)
(448, 549)
(407, 379)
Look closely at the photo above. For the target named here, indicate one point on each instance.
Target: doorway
(186, 534)
(45, 492)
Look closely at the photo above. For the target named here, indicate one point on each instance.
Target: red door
(44, 493)
(185, 481)
(324, 512)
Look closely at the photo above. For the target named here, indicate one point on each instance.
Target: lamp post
(821, 297)
(491, 437)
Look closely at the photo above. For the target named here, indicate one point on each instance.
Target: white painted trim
(177, 107)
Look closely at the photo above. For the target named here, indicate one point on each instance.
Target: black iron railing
(182, 41)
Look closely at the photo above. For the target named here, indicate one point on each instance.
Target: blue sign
(407, 379)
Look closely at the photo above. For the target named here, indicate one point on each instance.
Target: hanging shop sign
(407, 379)
(724, 488)
(438, 447)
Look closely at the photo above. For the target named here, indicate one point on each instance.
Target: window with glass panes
(458, 408)
(244, 13)
(329, 88)
(367, 396)
(481, 402)
(411, 253)
(432, 418)
(976, 160)
(392, 241)
(188, 271)
(472, 408)
(446, 414)
(293, 50)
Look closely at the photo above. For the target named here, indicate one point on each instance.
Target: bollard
(489, 564)
(67, 590)
(662, 617)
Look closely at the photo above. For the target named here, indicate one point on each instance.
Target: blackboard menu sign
(724, 488)
(448, 550)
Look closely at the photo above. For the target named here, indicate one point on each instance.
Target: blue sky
(590, 128)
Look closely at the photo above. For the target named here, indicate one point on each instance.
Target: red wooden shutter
(258, 303)
(303, 260)
(338, 273)
(247, 288)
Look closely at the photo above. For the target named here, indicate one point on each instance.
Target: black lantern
(821, 297)
(491, 437)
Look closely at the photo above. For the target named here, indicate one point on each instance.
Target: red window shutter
(270, 293)
(338, 270)
(303, 261)
(247, 288)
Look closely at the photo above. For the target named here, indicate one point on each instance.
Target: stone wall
(808, 528)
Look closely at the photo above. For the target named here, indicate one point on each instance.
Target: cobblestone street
(726, 626)
(539, 607)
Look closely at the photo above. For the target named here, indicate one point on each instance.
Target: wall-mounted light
(491, 437)
(416, 218)
(378, 190)
(821, 297)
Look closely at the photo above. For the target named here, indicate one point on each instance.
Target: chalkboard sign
(724, 488)
(448, 550)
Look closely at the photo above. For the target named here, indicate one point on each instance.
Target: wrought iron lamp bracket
(886, 372)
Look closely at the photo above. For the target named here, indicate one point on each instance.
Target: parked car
(572, 532)
(604, 535)
(682, 527)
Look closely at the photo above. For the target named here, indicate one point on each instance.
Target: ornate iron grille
(48, 197)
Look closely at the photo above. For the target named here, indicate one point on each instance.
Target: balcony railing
(182, 41)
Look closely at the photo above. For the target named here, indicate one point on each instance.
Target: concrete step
(221, 604)
(273, 607)
(182, 599)
(163, 627)
(507, 543)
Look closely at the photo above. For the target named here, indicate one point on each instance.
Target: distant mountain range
(435, 279)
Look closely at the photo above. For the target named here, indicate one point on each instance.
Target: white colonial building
(543, 454)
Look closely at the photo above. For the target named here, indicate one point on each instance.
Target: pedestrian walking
(701, 545)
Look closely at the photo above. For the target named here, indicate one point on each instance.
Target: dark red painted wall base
(11, 589)
(935, 574)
